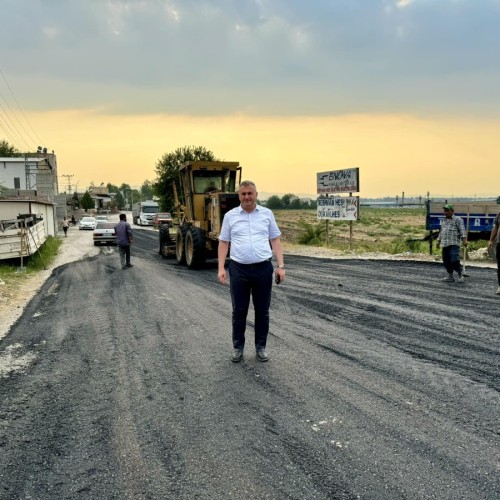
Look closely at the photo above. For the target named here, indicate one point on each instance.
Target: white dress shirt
(249, 234)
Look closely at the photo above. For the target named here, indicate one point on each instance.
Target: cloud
(265, 57)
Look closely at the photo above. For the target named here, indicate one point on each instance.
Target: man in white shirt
(254, 235)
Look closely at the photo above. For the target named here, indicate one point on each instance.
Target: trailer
(21, 237)
(478, 217)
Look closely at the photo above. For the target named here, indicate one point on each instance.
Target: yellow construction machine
(207, 191)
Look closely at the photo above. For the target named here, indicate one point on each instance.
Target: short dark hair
(248, 183)
(123, 217)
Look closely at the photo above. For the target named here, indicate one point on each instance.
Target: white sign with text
(338, 181)
(338, 208)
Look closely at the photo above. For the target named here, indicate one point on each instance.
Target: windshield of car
(149, 210)
(88, 219)
(164, 216)
(105, 225)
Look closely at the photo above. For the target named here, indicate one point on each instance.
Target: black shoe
(237, 356)
(262, 355)
(129, 265)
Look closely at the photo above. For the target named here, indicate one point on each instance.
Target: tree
(147, 190)
(274, 202)
(167, 171)
(119, 200)
(87, 202)
(75, 201)
(6, 150)
(286, 199)
(498, 200)
(112, 188)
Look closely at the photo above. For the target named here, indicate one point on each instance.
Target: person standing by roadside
(124, 239)
(450, 236)
(65, 225)
(495, 243)
(254, 236)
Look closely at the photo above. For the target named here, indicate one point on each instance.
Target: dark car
(104, 233)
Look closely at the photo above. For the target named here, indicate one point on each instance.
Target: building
(31, 172)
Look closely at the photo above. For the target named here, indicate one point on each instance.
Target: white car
(88, 223)
(102, 218)
(104, 233)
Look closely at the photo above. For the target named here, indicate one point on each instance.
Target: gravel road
(383, 383)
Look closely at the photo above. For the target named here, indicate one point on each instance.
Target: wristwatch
(282, 266)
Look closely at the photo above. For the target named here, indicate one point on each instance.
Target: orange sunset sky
(406, 90)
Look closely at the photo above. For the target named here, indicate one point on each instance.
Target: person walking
(65, 225)
(450, 236)
(124, 239)
(494, 242)
(254, 235)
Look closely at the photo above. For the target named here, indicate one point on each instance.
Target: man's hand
(222, 276)
(280, 275)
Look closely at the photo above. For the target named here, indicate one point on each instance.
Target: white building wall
(11, 168)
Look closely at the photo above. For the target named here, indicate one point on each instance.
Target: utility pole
(69, 177)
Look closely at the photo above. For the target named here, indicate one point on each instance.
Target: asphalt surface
(383, 383)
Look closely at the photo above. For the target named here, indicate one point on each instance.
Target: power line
(9, 122)
(22, 112)
(13, 135)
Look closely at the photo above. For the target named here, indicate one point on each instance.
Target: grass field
(388, 230)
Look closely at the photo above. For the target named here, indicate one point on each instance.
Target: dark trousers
(451, 259)
(498, 263)
(253, 280)
(124, 251)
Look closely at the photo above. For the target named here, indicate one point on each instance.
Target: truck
(206, 191)
(144, 212)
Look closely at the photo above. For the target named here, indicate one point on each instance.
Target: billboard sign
(338, 208)
(338, 181)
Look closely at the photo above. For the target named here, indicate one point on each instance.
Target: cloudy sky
(406, 90)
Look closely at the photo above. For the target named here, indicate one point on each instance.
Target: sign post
(338, 207)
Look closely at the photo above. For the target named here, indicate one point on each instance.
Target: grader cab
(208, 190)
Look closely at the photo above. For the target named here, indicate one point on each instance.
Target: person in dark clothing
(124, 239)
(451, 235)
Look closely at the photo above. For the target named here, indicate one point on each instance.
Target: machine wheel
(164, 239)
(195, 247)
(180, 238)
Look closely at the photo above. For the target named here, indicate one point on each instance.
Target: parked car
(103, 218)
(87, 223)
(104, 233)
(163, 218)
